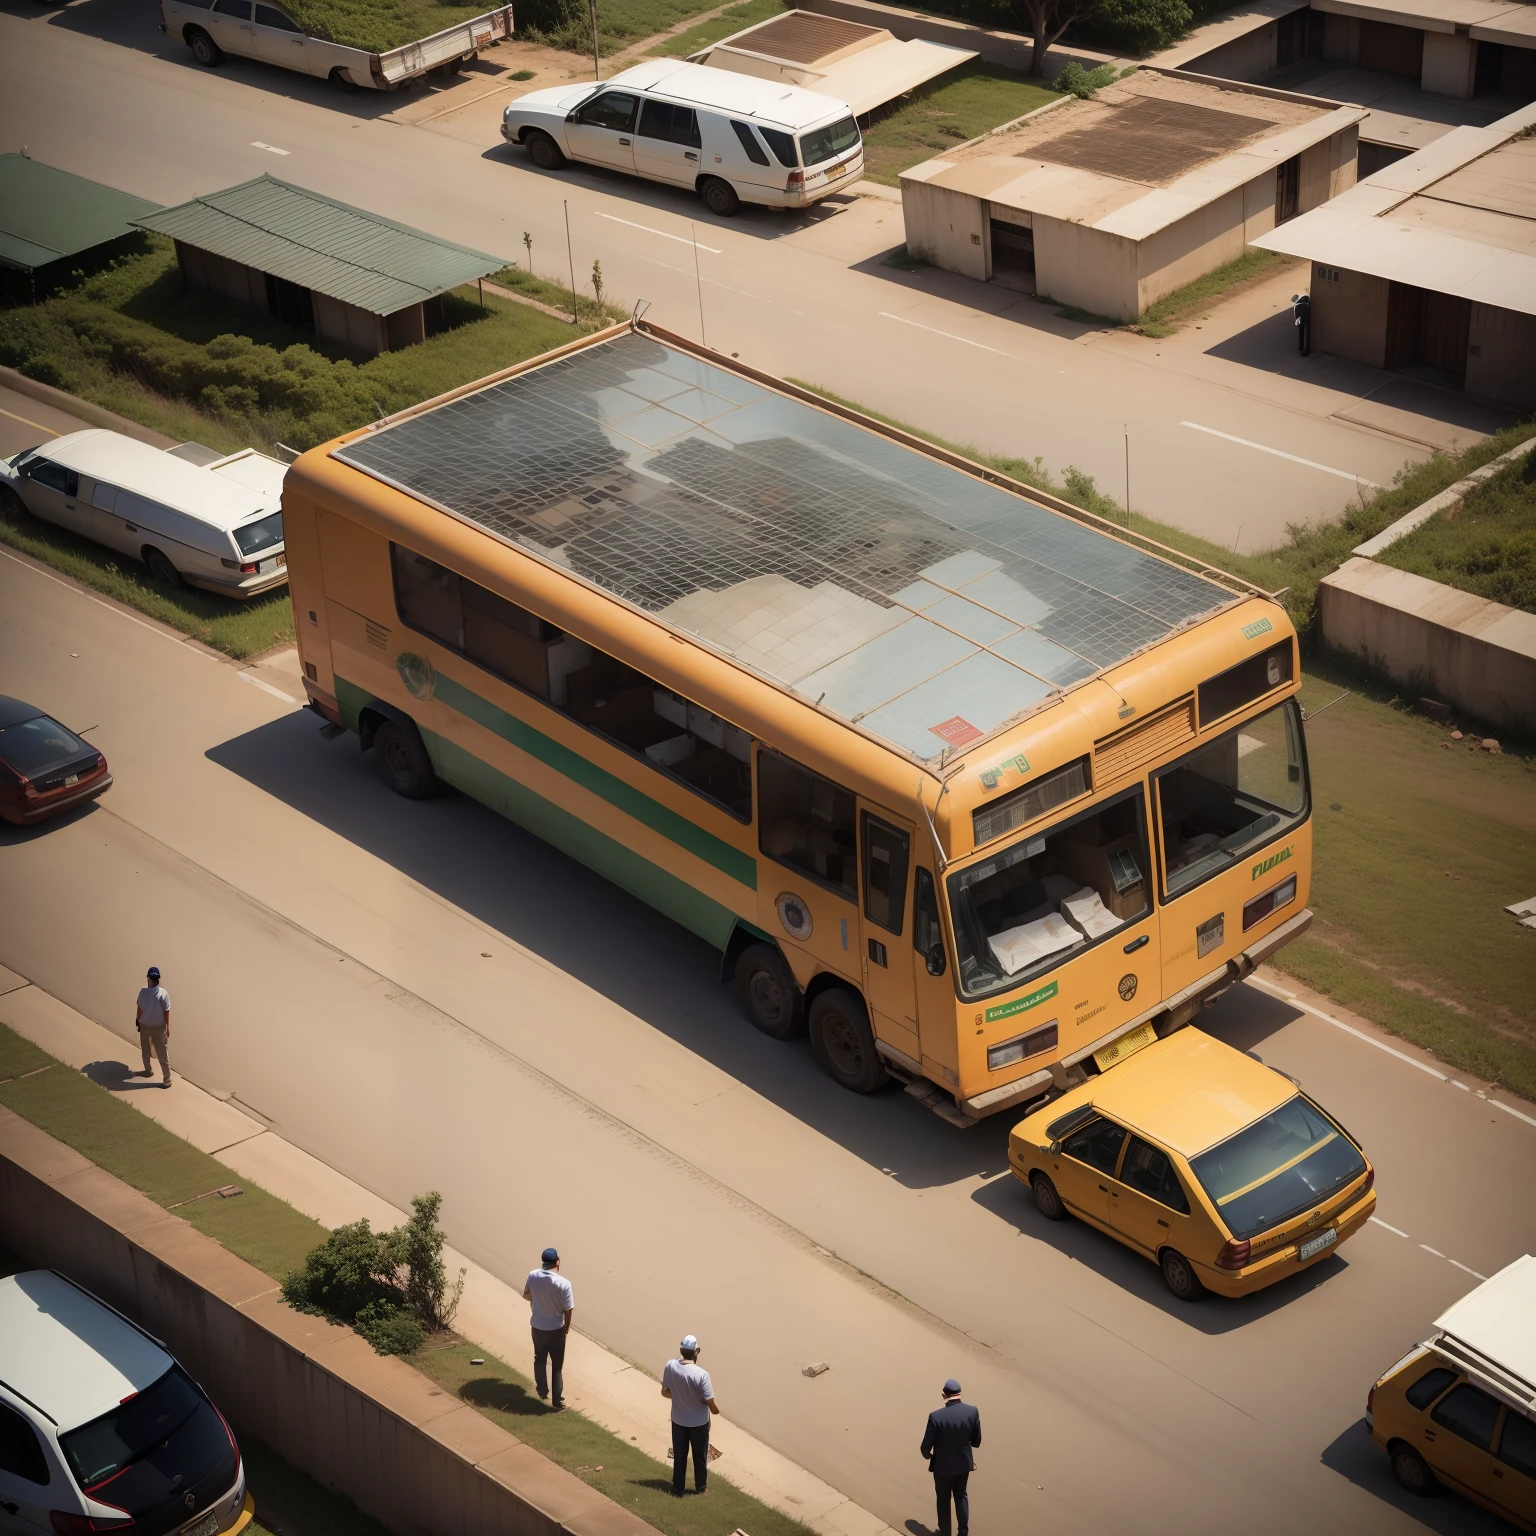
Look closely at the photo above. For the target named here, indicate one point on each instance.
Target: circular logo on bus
(417, 674)
(1127, 988)
(795, 916)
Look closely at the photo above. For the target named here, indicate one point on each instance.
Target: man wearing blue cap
(550, 1293)
(154, 1025)
(953, 1432)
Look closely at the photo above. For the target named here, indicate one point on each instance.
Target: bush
(1142, 26)
(390, 1286)
(547, 20)
(1077, 81)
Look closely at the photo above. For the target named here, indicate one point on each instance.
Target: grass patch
(614, 1467)
(593, 315)
(620, 23)
(378, 25)
(904, 261)
(717, 27)
(1486, 545)
(1164, 317)
(968, 102)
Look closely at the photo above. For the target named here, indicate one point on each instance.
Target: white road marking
(28, 422)
(1348, 1029)
(1435, 1251)
(256, 682)
(1462, 1086)
(1471, 1272)
(966, 340)
(681, 240)
(1327, 469)
(1518, 1114)
(1388, 1225)
(271, 149)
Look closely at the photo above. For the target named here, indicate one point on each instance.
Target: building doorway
(1013, 254)
(1288, 189)
(1392, 49)
(1429, 329)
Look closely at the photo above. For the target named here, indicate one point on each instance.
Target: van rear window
(827, 143)
(260, 535)
(782, 144)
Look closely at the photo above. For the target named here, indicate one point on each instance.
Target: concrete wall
(1086, 267)
(417, 1460)
(349, 324)
(1349, 315)
(1501, 356)
(1476, 655)
(1341, 38)
(947, 228)
(1245, 58)
(1450, 65)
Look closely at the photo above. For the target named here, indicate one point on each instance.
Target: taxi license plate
(1127, 1045)
(207, 1526)
(73, 778)
(1315, 1245)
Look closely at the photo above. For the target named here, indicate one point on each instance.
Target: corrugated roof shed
(316, 242)
(47, 214)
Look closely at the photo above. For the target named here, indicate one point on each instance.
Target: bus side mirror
(934, 960)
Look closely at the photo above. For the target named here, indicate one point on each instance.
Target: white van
(731, 138)
(216, 525)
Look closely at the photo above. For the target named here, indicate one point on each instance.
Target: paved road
(1230, 434)
(424, 996)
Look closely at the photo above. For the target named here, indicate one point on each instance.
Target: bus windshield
(1047, 895)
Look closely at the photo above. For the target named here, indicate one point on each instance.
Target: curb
(73, 405)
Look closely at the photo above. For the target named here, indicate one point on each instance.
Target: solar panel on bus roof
(902, 594)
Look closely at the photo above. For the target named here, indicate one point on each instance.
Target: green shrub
(348, 1274)
(1142, 26)
(1077, 81)
(390, 1330)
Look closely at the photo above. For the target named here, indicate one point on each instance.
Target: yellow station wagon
(1202, 1159)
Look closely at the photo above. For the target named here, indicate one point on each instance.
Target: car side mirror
(1054, 1148)
(570, 117)
(934, 960)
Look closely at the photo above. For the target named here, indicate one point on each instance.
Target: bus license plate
(1127, 1045)
(1315, 1245)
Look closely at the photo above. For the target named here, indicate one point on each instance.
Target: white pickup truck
(253, 29)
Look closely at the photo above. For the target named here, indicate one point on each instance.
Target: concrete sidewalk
(608, 1389)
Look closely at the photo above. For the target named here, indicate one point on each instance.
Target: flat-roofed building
(1432, 262)
(1108, 204)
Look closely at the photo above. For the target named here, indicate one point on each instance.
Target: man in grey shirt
(553, 1304)
(153, 1019)
(692, 1394)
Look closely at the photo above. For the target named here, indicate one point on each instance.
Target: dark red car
(44, 768)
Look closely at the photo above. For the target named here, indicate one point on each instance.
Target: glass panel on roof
(903, 594)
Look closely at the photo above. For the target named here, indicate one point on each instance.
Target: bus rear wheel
(403, 760)
(765, 987)
(844, 1043)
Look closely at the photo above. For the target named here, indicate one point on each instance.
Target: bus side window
(927, 935)
(427, 597)
(886, 853)
(806, 822)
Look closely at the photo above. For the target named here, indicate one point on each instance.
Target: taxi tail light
(1234, 1254)
(1370, 1181)
(796, 181)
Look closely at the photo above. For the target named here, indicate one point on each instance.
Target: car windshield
(102, 1448)
(19, 461)
(34, 746)
(260, 535)
(826, 143)
(1277, 1167)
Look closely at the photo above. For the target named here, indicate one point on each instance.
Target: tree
(1044, 21)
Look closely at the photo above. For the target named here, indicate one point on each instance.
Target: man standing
(1301, 308)
(153, 1019)
(692, 1393)
(550, 1293)
(953, 1431)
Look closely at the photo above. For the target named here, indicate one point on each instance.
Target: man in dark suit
(953, 1431)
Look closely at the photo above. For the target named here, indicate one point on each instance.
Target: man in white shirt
(154, 1024)
(692, 1393)
(553, 1303)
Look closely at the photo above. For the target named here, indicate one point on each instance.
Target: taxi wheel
(1409, 1468)
(844, 1043)
(1051, 1205)
(765, 987)
(1179, 1275)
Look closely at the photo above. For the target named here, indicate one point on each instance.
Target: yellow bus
(977, 788)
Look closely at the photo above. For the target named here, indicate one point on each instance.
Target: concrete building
(323, 266)
(1111, 203)
(1431, 263)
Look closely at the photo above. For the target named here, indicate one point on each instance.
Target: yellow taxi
(1202, 1159)
(1460, 1409)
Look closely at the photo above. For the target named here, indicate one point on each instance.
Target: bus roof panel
(894, 590)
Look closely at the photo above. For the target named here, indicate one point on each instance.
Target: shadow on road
(1355, 1456)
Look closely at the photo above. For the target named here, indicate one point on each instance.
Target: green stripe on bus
(704, 845)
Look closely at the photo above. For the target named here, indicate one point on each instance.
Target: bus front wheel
(765, 987)
(844, 1043)
(403, 761)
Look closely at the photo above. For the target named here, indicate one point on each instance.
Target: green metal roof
(46, 214)
(314, 241)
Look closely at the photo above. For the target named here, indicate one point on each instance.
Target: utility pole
(1127, 428)
(597, 68)
(575, 313)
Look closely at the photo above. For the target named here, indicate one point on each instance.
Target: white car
(100, 1429)
(189, 514)
(731, 138)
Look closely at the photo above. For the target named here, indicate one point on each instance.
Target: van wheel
(1050, 1203)
(1179, 1275)
(1409, 1468)
(161, 569)
(844, 1043)
(12, 506)
(543, 151)
(204, 49)
(403, 760)
(720, 197)
(340, 77)
(765, 987)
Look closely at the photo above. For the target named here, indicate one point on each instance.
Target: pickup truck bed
(254, 29)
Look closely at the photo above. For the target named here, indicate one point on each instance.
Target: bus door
(885, 858)
(933, 983)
